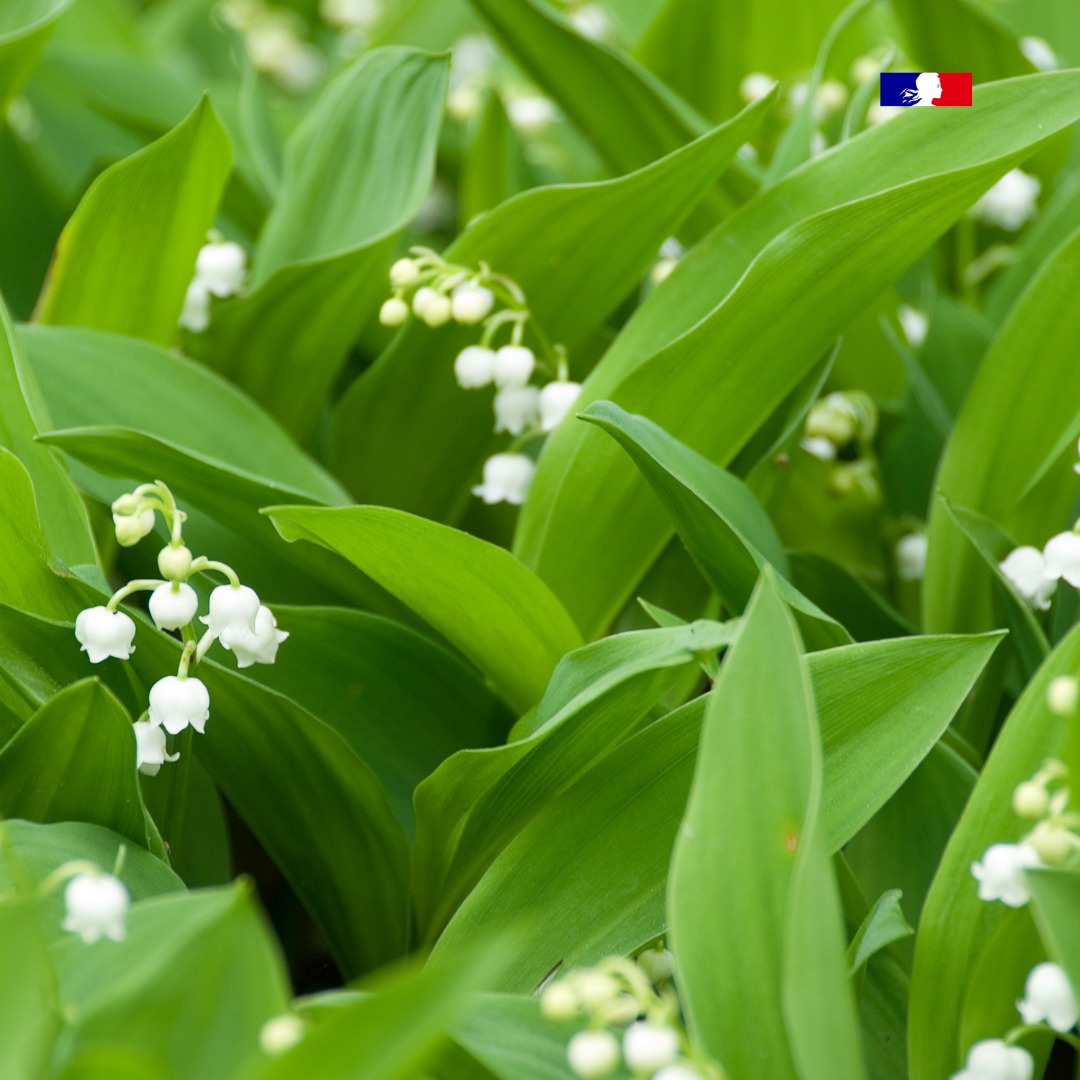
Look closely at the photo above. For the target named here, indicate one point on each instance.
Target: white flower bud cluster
(237, 619)
(1035, 574)
(274, 37)
(840, 427)
(619, 994)
(220, 270)
(438, 292)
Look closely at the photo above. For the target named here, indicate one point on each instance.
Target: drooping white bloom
(173, 606)
(1010, 202)
(150, 752)
(591, 21)
(195, 314)
(103, 633)
(593, 1054)
(516, 409)
(350, 14)
(658, 965)
(258, 646)
(911, 556)
(221, 267)
(755, 86)
(474, 367)
(678, 1072)
(471, 303)
(232, 608)
(531, 114)
(556, 400)
(1062, 553)
(1000, 873)
(1049, 997)
(993, 1059)
(513, 366)
(281, 1034)
(1062, 695)
(559, 1001)
(404, 274)
(1039, 53)
(131, 528)
(914, 323)
(394, 311)
(176, 703)
(1026, 569)
(96, 906)
(648, 1047)
(506, 479)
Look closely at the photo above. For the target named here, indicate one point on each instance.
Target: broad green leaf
(25, 26)
(477, 800)
(356, 171)
(22, 415)
(1007, 456)
(589, 871)
(1056, 904)
(477, 595)
(494, 166)
(956, 924)
(191, 985)
(30, 852)
(29, 1018)
(391, 1033)
(359, 673)
(756, 305)
(882, 927)
(126, 257)
(724, 527)
(752, 918)
(577, 251)
(74, 760)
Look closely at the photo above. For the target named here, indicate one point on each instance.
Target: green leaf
(756, 305)
(588, 873)
(477, 800)
(408, 407)
(956, 924)
(28, 1013)
(356, 171)
(25, 26)
(126, 257)
(74, 760)
(753, 911)
(477, 595)
(190, 986)
(882, 927)
(725, 529)
(1025, 387)
(1056, 895)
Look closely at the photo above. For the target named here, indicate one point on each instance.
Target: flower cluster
(220, 270)
(437, 292)
(840, 428)
(1048, 996)
(236, 619)
(274, 37)
(622, 994)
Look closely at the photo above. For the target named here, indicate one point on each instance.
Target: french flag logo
(926, 88)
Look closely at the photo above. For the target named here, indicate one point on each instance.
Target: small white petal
(258, 646)
(506, 479)
(195, 314)
(150, 752)
(176, 703)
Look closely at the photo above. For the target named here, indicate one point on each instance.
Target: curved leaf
(24, 29)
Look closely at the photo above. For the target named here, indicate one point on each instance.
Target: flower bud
(648, 1047)
(1052, 841)
(914, 323)
(436, 310)
(1031, 800)
(471, 303)
(393, 311)
(1062, 695)
(658, 965)
(96, 905)
(593, 1054)
(103, 633)
(404, 274)
(173, 606)
(281, 1034)
(126, 505)
(513, 366)
(174, 562)
(131, 528)
(911, 556)
(421, 298)
(755, 86)
(474, 367)
(559, 1002)
(177, 703)
(596, 988)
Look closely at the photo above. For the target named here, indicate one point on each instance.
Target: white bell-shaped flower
(911, 556)
(232, 608)
(1026, 569)
(150, 752)
(280, 1034)
(1062, 554)
(1037, 50)
(474, 367)
(556, 400)
(755, 86)
(258, 646)
(176, 703)
(103, 633)
(471, 303)
(393, 312)
(173, 605)
(648, 1047)
(96, 907)
(658, 965)
(1062, 694)
(993, 1059)
(1049, 997)
(531, 114)
(221, 267)
(514, 366)
(195, 314)
(506, 479)
(516, 408)
(593, 1054)
(914, 323)
(591, 21)
(131, 528)
(560, 1001)
(404, 274)
(1010, 202)
(1000, 873)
